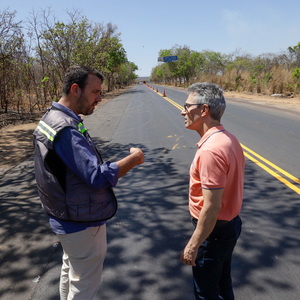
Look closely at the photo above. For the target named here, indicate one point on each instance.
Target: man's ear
(75, 89)
(204, 110)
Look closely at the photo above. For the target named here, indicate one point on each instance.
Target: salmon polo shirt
(219, 163)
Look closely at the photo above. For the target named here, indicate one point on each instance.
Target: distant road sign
(170, 58)
(167, 58)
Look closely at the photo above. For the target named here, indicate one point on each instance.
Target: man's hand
(205, 225)
(189, 254)
(136, 157)
(138, 153)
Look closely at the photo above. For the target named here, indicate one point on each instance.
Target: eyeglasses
(188, 105)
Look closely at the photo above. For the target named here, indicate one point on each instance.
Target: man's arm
(207, 220)
(136, 157)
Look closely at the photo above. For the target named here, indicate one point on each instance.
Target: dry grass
(16, 136)
(278, 81)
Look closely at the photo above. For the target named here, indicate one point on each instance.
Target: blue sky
(146, 27)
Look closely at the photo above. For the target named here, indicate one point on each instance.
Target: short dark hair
(210, 94)
(78, 74)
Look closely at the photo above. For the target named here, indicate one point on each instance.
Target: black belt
(219, 223)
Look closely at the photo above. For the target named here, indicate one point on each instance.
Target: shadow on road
(134, 91)
(147, 235)
(269, 237)
(149, 231)
(27, 244)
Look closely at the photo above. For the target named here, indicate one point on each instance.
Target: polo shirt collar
(67, 110)
(209, 133)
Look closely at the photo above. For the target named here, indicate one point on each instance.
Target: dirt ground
(291, 104)
(16, 140)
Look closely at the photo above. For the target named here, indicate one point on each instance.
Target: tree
(11, 48)
(295, 52)
(115, 59)
(190, 63)
(76, 42)
(60, 42)
(171, 68)
(127, 75)
(161, 73)
(214, 62)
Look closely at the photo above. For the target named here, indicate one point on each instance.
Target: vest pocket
(100, 205)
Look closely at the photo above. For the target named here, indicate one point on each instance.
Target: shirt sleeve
(75, 151)
(213, 170)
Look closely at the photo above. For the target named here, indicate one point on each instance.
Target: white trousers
(82, 263)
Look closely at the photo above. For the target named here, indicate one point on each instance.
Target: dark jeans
(212, 273)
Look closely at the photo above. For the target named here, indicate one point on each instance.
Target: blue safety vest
(63, 194)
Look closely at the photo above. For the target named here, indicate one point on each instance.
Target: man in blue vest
(75, 185)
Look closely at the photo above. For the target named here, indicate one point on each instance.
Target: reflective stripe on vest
(45, 129)
(82, 130)
(50, 133)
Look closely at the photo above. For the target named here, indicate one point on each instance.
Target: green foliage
(58, 44)
(45, 79)
(238, 81)
(294, 49)
(267, 78)
(115, 59)
(37, 73)
(188, 65)
(253, 78)
(296, 74)
(240, 64)
(257, 68)
(82, 43)
(295, 52)
(127, 75)
(214, 62)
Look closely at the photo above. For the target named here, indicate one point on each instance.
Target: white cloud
(235, 23)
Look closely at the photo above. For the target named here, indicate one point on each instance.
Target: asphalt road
(152, 224)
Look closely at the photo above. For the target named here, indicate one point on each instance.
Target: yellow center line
(260, 164)
(276, 175)
(172, 102)
(272, 165)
